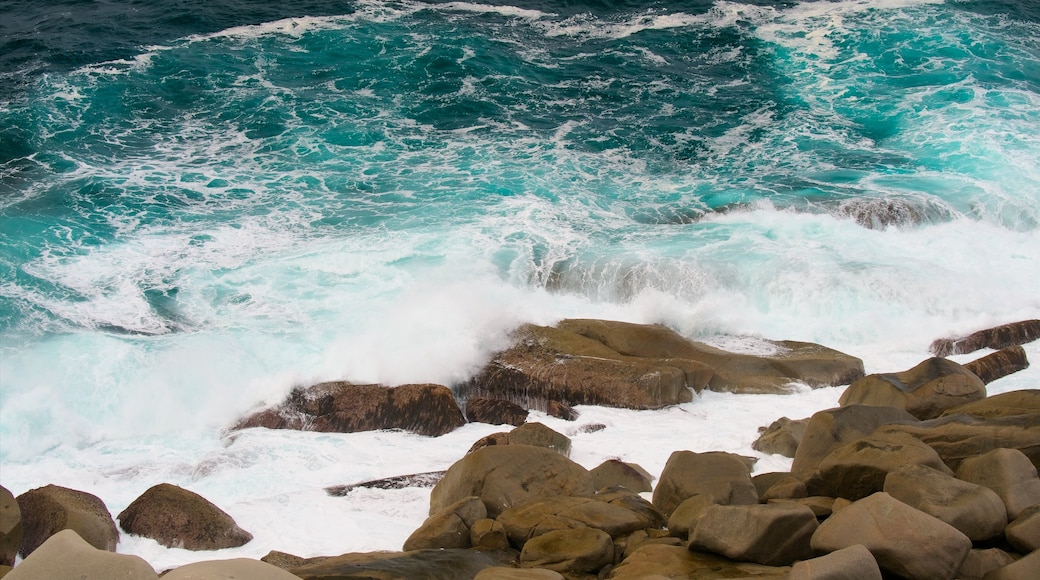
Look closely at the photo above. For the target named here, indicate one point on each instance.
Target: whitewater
(381, 191)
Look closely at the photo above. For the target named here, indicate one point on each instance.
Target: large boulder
(924, 391)
(999, 364)
(495, 412)
(656, 561)
(852, 563)
(50, 509)
(448, 528)
(770, 534)
(858, 469)
(781, 437)
(573, 550)
(976, 511)
(234, 569)
(904, 541)
(535, 518)
(506, 475)
(995, 338)
(1007, 472)
(831, 428)
(179, 518)
(341, 407)
(66, 556)
(959, 437)
(1009, 404)
(617, 473)
(10, 527)
(1024, 532)
(426, 564)
(724, 478)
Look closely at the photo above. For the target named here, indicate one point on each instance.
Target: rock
(903, 540)
(575, 550)
(178, 518)
(979, 562)
(1023, 569)
(488, 534)
(66, 556)
(614, 472)
(539, 435)
(831, 428)
(781, 437)
(527, 521)
(655, 561)
(957, 437)
(852, 563)
(858, 469)
(425, 564)
(769, 534)
(234, 569)
(10, 527)
(507, 475)
(820, 505)
(725, 478)
(50, 509)
(1024, 532)
(560, 410)
(288, 561)
(1007, 472)
(999, 364)
(340, 407)
(495, 412)
(504, 573)
(1009, 404)
(975, 510)
(427, 479)
(924, 391)
(448, 528)
(633, 502)
(685, 516)
(995, 338)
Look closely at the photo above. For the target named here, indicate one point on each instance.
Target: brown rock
(178, 518)
(234, 569)
(575, 550)
(999, 364)
(831, 428)
(822, 506)
(1009, 404)
(787, 488)
(539, 435)
(958, 437)
(725, 478)
(685, 516)
(614, 472)
(903, 540)
(535, 518)
(858, 469)
(507, 475)
(441, 530)
(781, 437)
(287, 561)
(852, 563)
(425, 479)
(426, 564)
(979, 562)
(995, 338)
(632, 501)
(560, 410)
(1007, 472)
(340, 407)
(50, 509)
(488, 534)
(10, 527)
(504, 573)
(66, 556)
(1022, 569)
(495, 412)
(924, 391)
(1024, 532)
(664, 561)
(770, 534)
(974, 510)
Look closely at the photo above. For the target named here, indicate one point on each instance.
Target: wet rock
(781, 437)
(924, 391)
(507, 475)
(340, 407)
(427, 479)
(179, 518)
(495, 412)
(1009, 473)
(50, 509)
(975, 510)
(725, 478)
(66, 556)
(770, 534)
(999, 364)
(904, 541)
(852, 563)
(534, 433)
(996, 338)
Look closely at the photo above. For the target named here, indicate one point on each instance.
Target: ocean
(204, 204)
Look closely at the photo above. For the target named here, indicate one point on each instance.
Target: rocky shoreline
(917, 474)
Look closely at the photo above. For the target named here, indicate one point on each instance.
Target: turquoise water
(200, 208)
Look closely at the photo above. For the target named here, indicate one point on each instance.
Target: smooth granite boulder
(1007, 472)
(924, 391)
(10, 527)
(617, 473)
(725, 478)
(958, 437)
(178, 518)
(904, 541)
(852, 563)
(506, 475)
(573, 550)
(980, 562)
(976, 511)
(448, 528)
(831, 428)
(495, 412)
(769, 534)
(234, 569)
(488, 534)
(858, 469)
(425, 564)
(1022, 569)
(657, 561)
(1009, 404)
(66, 556)
(996, 338)
(50, 509)
(781, 437)
(341, 407)
(1023, 533)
